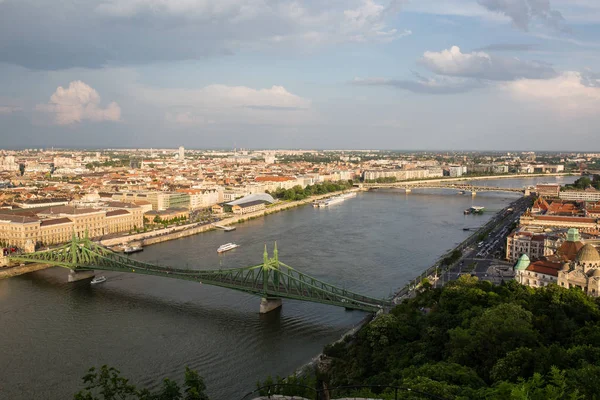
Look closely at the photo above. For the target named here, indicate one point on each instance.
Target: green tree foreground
(475, 340)
(108, 384)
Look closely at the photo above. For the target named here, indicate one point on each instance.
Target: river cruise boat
(98, 279)
(132, 249)
(227, 247)
(474, 210)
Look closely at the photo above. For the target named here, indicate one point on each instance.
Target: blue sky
(452, 74)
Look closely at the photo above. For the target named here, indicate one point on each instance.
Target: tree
(107, 384)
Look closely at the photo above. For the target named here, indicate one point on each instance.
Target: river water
(51, 331)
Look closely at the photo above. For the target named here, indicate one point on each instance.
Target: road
(484, 259)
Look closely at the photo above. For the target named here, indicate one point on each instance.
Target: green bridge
(272, 280)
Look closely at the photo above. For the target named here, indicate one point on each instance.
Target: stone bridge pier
(75, 276)
(268, 304)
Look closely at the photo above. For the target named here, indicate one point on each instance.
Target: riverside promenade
(163, 235)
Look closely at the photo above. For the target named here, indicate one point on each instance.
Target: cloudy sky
(399, 74)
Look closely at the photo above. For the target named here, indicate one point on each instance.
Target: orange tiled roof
(545, 267)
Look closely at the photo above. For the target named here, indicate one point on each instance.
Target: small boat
(132, 249)
(98, 279)
(227, 247)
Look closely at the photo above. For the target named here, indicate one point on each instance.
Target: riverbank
(163, 235)
(9, 272)
(429, 273)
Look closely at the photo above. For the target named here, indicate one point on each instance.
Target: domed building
(569, 248)
(536, 274)
(583, 272)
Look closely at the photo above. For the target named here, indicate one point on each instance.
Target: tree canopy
(107, 383)
(472, 339)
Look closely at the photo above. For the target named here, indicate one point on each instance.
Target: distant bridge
(272, 280)
(461, 187)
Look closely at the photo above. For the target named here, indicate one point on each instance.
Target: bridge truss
(271, 280)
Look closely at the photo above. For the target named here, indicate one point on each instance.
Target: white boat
(227, 247)
(348, 195)
(331, 201)
(132, 249)
(98, 279)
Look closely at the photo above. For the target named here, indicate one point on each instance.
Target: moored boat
(132, 249)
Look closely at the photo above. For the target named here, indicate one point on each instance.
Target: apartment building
(581, 195)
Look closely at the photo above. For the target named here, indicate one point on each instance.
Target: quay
(163, 235)
(225, 228)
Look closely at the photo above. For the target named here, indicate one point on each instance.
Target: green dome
(523, 263)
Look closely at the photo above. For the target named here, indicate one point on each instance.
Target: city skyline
(398, 75)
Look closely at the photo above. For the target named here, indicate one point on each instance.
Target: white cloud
(77, 103)
(223, 104)
(567, 94)
(481, 65)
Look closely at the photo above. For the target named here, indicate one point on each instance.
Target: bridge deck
(272, 279)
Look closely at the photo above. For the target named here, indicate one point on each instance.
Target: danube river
(51, 331)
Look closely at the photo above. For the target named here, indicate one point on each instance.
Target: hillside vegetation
(473, 340)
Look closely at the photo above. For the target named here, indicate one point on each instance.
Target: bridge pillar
(407, 190)
(269, 304)
(75, 276)
(527, 193)
(473, 193)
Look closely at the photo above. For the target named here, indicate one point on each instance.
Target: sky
(364, 74)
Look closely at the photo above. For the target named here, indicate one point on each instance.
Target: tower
(181, 152)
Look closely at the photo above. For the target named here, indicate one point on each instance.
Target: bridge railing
(270, 279)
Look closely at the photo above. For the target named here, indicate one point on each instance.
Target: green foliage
(297, 193)
(585, 181)
(107, 384)
(387, 179)
(472, 339)
(304, 386)
(452, 258)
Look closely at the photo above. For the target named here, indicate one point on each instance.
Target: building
(581, 195)
(537, 274)
(181, 154)
(402, 174)
(534, 245)
(568, 250)
(248, 207)
(456, 171)
(203, 198)
(55, 225)
(551, 190)
(35, 203)
(159, 200)
(251, 203)
(583, 272)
